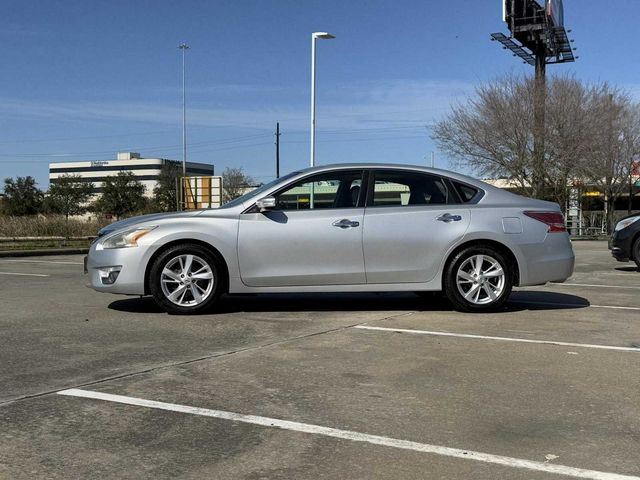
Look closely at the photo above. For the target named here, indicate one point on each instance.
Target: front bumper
(132, 262)
(620, 244)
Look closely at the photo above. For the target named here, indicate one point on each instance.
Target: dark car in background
(625, 242)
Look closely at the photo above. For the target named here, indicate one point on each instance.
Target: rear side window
(466, 192)
(400, 189)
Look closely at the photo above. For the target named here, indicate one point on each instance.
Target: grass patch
(49, 226)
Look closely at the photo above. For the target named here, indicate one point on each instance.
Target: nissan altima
(341, 228)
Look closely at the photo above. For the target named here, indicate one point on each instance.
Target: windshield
(255, 193)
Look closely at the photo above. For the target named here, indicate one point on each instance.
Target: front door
(312, 237)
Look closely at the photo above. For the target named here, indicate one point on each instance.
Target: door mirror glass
(266, 203)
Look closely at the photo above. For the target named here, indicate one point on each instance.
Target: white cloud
(361, 105)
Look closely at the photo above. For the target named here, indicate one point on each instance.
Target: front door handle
(447, 217)
(345, 223)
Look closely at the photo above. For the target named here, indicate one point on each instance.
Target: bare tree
(235, 182)
(591, 134)
(616, 143)
(568, 137)
(492, 132)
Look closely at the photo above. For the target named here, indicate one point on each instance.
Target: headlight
(127, 238)
(626, 222)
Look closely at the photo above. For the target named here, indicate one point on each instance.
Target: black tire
(452, 290)
(635, 252)
(200, 255)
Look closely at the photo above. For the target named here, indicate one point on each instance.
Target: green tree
(164, 194)
(121, 194)
(69, 195)
(22, 196)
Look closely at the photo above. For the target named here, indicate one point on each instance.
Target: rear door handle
(447, 217)
(345, 223)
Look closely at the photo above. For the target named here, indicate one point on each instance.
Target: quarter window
(397, 189)
(465, 191)
(327, 190)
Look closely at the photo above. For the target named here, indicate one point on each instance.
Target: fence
(592, 223)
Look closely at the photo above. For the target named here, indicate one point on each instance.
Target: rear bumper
(549, 261)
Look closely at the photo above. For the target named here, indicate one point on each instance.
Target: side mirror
(266, 203)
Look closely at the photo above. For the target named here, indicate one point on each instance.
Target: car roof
(399, 166)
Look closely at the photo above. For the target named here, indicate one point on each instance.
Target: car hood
(133, 221)
(637, 214)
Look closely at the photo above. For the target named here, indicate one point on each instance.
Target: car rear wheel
(186, 279)
(478, 279)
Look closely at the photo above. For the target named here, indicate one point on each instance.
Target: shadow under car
(350, 302)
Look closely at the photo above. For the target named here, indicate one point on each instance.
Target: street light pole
(315, 36)
(184, 47)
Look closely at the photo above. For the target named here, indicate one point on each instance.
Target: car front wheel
(186, 279)
(478, 279)
(636, 252)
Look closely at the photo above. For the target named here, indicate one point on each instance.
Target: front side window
(322, 191)
(399, 189)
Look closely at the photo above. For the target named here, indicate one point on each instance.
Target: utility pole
(433, 161)
(277, 149)
(539, 107)
(184, 47)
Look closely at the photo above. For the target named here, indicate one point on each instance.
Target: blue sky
(81, 80)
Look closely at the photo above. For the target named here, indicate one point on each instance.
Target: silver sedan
(341, 228)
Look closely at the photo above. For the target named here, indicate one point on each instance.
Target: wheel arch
(501, 247)
(173, 243)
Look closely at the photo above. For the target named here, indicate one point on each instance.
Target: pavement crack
(192, 360)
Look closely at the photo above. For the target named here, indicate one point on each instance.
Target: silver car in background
(341, 228)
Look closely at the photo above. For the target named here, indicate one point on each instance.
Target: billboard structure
(539, 38)
(555, 12)
(536, 30)
(200, 192)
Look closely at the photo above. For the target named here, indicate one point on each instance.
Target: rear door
(312, 237)
(411, 220)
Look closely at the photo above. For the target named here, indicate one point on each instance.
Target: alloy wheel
(187, 280)
(480, 279)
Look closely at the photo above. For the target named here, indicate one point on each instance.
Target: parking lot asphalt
(320, 386)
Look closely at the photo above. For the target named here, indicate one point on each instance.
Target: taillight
(555, 220)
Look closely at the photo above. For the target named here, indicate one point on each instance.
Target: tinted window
(465, 191)
(408, 188)
(327, 190)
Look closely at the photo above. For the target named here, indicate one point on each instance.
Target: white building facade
(145, 170)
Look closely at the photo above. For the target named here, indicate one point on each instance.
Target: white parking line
(592, 285)
(43, 261)
(502, 339)
(24, 274)
(576, 305)
(354, 436)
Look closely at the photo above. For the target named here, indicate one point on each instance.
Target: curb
(42, 252)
